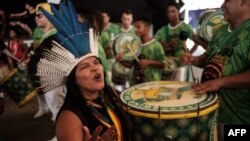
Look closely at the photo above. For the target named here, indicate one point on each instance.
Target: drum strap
(229, 39)
(167, 32)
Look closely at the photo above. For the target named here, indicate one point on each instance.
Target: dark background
(154, 9)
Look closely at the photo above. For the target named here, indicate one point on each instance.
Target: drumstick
(133, 53)
(189, 66)
(8, 53)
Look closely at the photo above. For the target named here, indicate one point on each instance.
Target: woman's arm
(69, 127)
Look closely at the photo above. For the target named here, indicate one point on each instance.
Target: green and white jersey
(49, 33)
(229, 54)
(37, 34)
(104, 39)
(170, 34)
(105, 63)
(151, 50)
(112, 30)
(131, 29)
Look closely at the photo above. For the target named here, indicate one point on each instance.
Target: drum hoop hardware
(159, 113)
(172, 115)
(198, 121)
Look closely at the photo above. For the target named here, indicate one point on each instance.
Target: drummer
(170, 35)
(112, 30)
(127, 19)
(226, 65)
(147, 66)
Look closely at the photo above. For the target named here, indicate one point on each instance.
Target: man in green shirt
(226, 65)
(127, 19)
(150, 63)
(110, 30)
(173, 39)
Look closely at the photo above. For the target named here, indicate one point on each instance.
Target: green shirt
(130, 30)
(107, 37)
(105, 63)
(151, 50)
(49, 33)
(171, 35)
(112, 30)
(229, 54)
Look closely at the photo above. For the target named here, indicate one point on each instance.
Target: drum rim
(210, 100)
(214, 13)
(173, 115)
(119, 37)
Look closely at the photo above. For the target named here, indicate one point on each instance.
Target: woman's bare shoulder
(68, 127)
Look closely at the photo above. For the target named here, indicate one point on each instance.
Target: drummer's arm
(240, 80)
(198, 61)
(193, 49)
(144, 63)
(127, 64)
(200, 41)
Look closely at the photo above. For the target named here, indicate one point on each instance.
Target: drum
(169, 110)
(120, 73)
(19, 87)
(208, 22)
(128, 45)
(4, 71)
(171, 65)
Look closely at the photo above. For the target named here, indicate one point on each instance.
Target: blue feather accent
(73, 16)
(64, 11)
(57, 24)
(72, 34)
(61, 19)
(67, 45)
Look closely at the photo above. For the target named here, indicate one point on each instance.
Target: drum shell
(120, 73)
(181, 128)
(171, 65)
(19, 87)
(169, 119)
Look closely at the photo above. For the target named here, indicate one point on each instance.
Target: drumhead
(208, 22)
(166, 97)
(122, 43)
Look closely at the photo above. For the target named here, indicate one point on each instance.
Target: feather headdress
(53, 61)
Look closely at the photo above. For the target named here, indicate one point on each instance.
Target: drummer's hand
(118, 57)
(143, 63)
(187, 58)
(208, 86)
(108, 135)
(108, 51)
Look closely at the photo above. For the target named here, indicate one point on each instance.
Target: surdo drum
(128, 45)
(208, 22)
(169, 110)
(19, 87)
